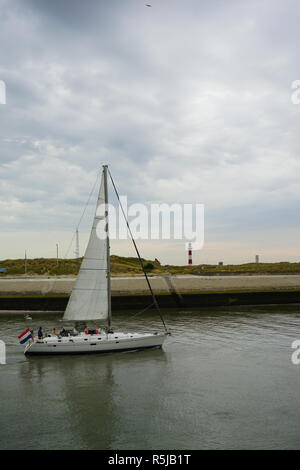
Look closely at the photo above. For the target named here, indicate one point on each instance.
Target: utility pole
(77, 244)
(25, 263)
(56, 254)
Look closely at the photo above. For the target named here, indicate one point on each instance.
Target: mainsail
(89, 298)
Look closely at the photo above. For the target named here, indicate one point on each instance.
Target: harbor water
(223, 380)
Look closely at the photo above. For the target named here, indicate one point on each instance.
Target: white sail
(89, 297)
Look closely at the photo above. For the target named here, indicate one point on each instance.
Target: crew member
(40, 333)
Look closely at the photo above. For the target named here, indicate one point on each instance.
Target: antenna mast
(77, 244)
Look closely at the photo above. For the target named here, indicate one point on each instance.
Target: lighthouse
(190, 260)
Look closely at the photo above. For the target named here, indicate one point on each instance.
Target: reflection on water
(223, 380)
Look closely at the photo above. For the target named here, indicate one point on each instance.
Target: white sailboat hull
(96, 343)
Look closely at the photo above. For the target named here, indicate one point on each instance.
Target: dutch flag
(25, 336)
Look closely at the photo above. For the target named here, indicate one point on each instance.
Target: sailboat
(90, 299)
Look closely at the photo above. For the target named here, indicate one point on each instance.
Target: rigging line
(67, 252)
(81, 217)
(137, 251)
(142, 311)
(87, 203)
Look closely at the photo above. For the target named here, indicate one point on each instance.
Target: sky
(188, 102)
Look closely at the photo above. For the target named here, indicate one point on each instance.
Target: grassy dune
(49, 266)
(122, 265)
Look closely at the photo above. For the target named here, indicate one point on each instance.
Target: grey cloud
(187, 102)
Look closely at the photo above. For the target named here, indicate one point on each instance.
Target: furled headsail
(89, 297)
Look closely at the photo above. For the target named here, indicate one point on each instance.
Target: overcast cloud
(186, 101)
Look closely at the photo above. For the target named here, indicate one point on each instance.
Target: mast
(107, 248)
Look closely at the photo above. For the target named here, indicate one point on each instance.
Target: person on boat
(40, 333)
(74, 331)
(54, 331)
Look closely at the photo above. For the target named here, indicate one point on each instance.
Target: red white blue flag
(25, 336)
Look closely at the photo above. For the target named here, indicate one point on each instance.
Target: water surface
(223, 380)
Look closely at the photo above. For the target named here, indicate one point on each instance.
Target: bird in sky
(147, 5)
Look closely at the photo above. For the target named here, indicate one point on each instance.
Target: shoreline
(54, 304)
(182, 291)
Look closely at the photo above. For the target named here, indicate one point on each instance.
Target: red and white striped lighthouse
(190, 254)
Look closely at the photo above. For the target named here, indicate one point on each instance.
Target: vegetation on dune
(238, 269)
(122, 265)
(50, 267)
